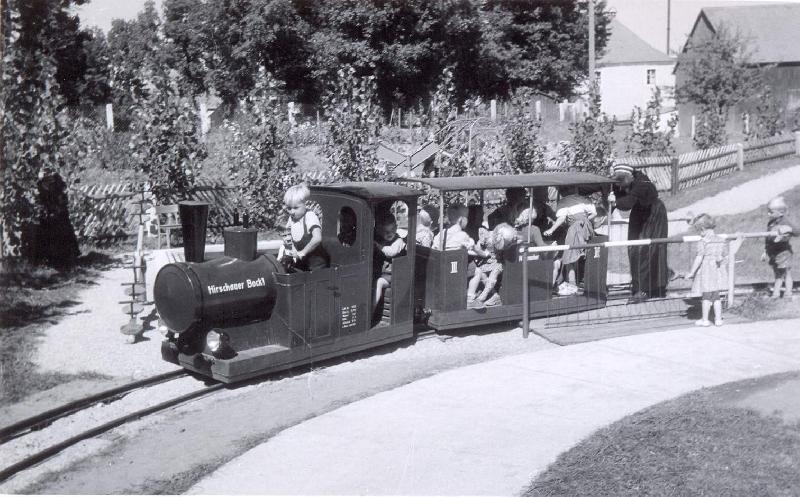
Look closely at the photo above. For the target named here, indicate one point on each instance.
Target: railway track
(44, 419)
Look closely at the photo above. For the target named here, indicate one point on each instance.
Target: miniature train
(243, 315)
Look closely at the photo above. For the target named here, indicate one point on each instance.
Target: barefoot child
(777, 250)
(709, 269)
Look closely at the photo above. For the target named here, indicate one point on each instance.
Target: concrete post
(538, 107)
(797, 142)
(493, 109)
(110, 117)
(562, 111)
(205, 122)
(740, 157)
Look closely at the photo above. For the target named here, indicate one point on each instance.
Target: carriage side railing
(734, 242)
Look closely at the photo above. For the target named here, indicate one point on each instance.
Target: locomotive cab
(233, 318)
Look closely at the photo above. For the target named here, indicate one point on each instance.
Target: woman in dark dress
(648, 219)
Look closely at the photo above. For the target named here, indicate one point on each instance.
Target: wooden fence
(693, 168)
(106, 211)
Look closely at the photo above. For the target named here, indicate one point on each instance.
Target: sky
(646, 18)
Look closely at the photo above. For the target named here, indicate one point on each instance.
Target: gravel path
(90, 338)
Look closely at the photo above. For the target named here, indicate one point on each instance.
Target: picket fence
(673, 174)
(111, 210)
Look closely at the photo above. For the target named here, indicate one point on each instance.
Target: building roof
(369, 190)
(771, 29)
(456, 183)
(624, 48)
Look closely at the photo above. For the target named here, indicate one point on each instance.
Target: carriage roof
(370, 190)
(513, 181)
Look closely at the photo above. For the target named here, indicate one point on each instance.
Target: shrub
(258, 164)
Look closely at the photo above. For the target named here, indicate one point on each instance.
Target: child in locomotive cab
(305, 231)
(388, 245)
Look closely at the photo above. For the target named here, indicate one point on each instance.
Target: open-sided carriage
(243, 315)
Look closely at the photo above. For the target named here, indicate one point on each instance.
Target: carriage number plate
(349, 316)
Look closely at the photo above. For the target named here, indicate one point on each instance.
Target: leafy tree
(717, 76)
(251, 34)
(258, 163)
(592, 147)
(403, 44)
(185, 30)
(353, 121)
(165, 142)
(644, 137)
(524, 152)
(34, 124)
(539, 44)
(132, 45)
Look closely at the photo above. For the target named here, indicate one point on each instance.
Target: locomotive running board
(260, 361)
(467, 318)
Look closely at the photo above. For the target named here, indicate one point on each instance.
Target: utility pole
(592, 77)
(669, 5)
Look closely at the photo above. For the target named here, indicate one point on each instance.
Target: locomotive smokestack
(241, 243)
(194, 216)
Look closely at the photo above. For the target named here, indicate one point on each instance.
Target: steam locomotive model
(243, 315)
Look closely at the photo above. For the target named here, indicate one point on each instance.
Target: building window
(651, 76)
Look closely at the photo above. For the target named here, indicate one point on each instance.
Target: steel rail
(51, 451)
(45, 418)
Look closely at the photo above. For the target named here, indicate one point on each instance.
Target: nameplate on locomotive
(233, 287)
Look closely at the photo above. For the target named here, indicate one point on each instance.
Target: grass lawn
(33, 298)
(725, 183)
(698, 444)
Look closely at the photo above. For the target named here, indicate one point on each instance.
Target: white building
(629, 71)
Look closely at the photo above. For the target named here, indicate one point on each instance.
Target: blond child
(424, 234)
(778, 250)
(709, 269)
(388, 245)
(304, 237)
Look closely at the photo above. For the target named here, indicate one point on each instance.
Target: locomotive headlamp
(214, 340)
(219, 344)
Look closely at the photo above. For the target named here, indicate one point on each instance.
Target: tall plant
(524, 152)
(258, 163)
(165, 140)
(645, 137)
(592, 146)
(353, 120)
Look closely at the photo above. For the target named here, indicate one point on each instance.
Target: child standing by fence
(709, 269)
(777, 250)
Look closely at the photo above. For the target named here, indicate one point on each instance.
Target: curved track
(43, 419)
(36, 422)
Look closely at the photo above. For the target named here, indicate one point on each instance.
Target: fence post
(740, 157)
(538, 106)
(526, 311)
(797, 142)
(694, 126)
(675, 181)
(493, 109)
